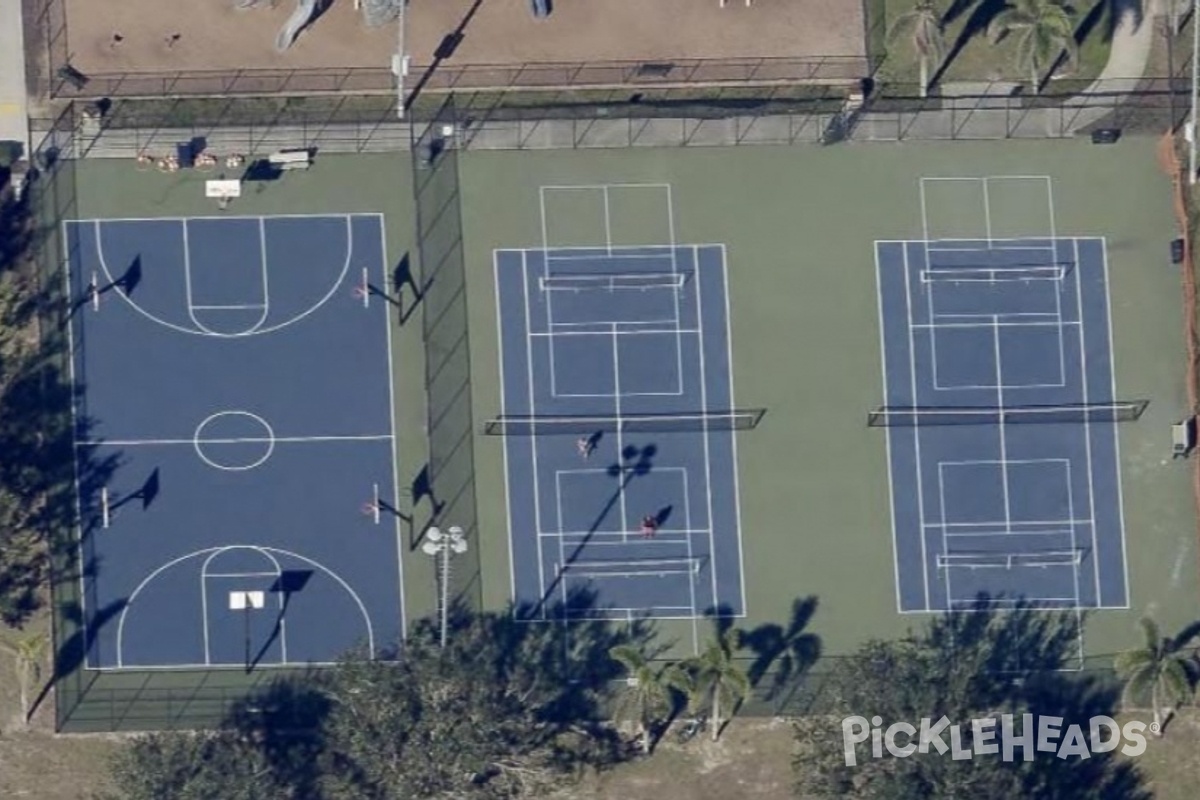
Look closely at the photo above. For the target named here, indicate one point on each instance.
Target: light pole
(442, 545)
(1190, 129)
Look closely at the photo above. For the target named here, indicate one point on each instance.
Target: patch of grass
(974, 58)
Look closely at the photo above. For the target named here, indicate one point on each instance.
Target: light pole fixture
(442, 545)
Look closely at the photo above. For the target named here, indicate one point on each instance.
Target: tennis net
(913, 416)
(737, 420)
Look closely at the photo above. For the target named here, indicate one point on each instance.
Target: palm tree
(27, 656)
(922, 27)
(1044, 31)
(649, 691)
(718, 681)
(1160, 668)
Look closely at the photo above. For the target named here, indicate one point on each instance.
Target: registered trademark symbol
(1154, 727)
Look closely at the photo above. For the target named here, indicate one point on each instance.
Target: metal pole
(1191, 128)
(246, 618)
(445, 590)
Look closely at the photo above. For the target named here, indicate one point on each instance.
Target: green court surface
(799, 226)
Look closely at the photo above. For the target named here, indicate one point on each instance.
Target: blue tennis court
(1001, 416)
(619, 420)
(234, 371)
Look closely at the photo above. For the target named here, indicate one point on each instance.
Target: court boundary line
(737, 488)
(708, 484)
(382, 437)
(394, 461)
(220, 548)
(347, 218)
(883, 369)
(1087, 425)
(72, 266)
(77, 397)
(912, 373)
(1112, 363)
(512, 563)
(537, 500)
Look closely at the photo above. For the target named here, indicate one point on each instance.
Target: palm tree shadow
(976, 25)
(783, 653)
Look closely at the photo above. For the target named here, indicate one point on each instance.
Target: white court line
(996, 324)
(75, 436)
(712, 546)
(945, 540)
(932, 314)
(674, 323)
(678, 276)
(987, 213)
(608, 242)
(387, 329)
(210, 551)
(234, 440)
(912, 370)
(242, 574)
(616, 365)
(687, 531)
(202, 332)
(224, 217)
(667, 332)
(537, 502)
(691, 579)
(737, 494)
(1116, 437)
(1001, 430)
(512, 564)
(1017, 523)
(1076, 567)
(1087, 425)
(611, 395)
(558, 493)
(883, 361)
(227, 307)
(1062, 356)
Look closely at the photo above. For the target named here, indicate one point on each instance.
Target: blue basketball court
(617, 407)
(235, 372)
(1001, 416)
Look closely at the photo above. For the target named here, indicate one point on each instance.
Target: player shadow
(288, 583)
(146, 494)
(635, 462)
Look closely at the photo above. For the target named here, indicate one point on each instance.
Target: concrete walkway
(1129, 52)
(14, 112)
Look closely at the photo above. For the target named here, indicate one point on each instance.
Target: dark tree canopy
(964, 667)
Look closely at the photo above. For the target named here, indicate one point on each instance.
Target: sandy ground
(113, 36)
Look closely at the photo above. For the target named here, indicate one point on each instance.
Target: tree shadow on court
(71, 655)
(782, 653)
(635, 462)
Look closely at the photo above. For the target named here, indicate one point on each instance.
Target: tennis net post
(915, 416)
(700, 421)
